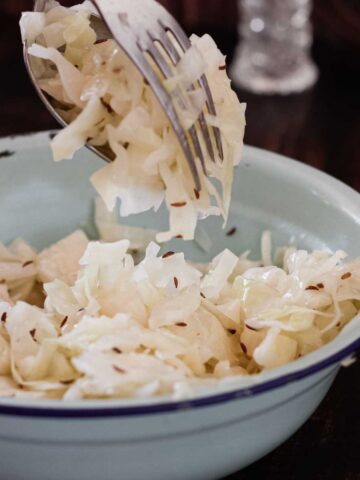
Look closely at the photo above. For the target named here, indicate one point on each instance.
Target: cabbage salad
(107, 103)
(83, 320)
(119, 317)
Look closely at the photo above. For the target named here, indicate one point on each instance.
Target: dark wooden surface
(320, 127)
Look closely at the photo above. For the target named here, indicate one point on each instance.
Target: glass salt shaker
(274, 53)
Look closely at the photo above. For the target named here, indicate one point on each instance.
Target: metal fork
(140, 27)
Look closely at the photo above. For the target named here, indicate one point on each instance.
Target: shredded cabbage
(109, 327)
(108, 104)
(115, 318)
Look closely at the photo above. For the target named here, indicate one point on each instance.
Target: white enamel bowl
(222, 430)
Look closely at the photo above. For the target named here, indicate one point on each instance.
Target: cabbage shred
(108, 104)
(82, 320)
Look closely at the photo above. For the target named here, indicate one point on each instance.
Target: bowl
(218, 431)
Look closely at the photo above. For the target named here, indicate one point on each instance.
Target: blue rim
(209, 401)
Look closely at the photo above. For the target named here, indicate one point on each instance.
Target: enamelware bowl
(220, 430)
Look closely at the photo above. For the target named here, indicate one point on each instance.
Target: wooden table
(320, 127)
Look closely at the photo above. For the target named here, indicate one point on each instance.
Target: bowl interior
(43, 201)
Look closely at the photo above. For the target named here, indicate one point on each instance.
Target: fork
(140, 27)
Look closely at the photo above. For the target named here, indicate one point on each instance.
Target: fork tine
(185, 44)
(188, 153)
(158, 58)
(198, 150)
(155, 54)
(212, 111)
(175, 57)
(173, 26)
(206, 135)
(167, 44)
